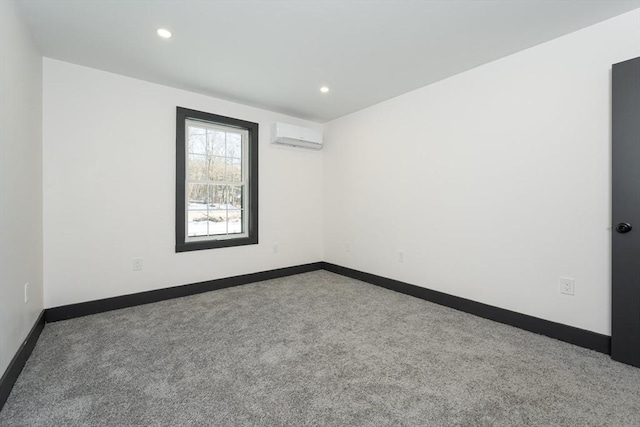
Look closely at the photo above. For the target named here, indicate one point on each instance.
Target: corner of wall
(21, 182)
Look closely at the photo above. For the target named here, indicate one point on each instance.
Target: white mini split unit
(296, 136)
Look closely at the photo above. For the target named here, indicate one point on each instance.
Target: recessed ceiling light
(165, 34)
(324, 89)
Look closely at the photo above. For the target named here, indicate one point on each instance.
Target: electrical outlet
(136, 264)
(400, 256)
(348, 246)
(567, 285)
(275, 247)
(26, 292)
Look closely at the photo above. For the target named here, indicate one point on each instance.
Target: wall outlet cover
(567, 286)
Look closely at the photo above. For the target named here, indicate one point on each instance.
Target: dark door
(625, 263)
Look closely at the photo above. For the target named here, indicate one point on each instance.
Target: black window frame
(182, 115)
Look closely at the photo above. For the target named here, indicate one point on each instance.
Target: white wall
(495, 182)
(20, 181)
(109, 189)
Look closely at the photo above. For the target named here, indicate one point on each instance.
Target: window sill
(212, 244)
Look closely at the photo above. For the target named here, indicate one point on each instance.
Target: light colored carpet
(313, 349)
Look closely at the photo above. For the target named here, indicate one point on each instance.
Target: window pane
(235, 197)
(216, 168)
(197, 223)
(217, 222)
(196, 167)
(197, 140)
(218, 212)
(234, 145)
(218, 196)
(197, 197)
(235, 220)
(233, 170)
(216, 141)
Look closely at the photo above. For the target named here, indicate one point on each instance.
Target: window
(216, 181)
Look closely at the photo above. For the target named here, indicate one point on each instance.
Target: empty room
(322, 212)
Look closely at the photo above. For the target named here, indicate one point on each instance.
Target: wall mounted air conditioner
(296, 136)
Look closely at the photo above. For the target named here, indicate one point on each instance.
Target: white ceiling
(277, 54)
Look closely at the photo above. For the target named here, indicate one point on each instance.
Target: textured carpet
(312, 349)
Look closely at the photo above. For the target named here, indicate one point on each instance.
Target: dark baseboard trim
(98, 306)
(559, 331)
(17, 363)
(570, 334)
